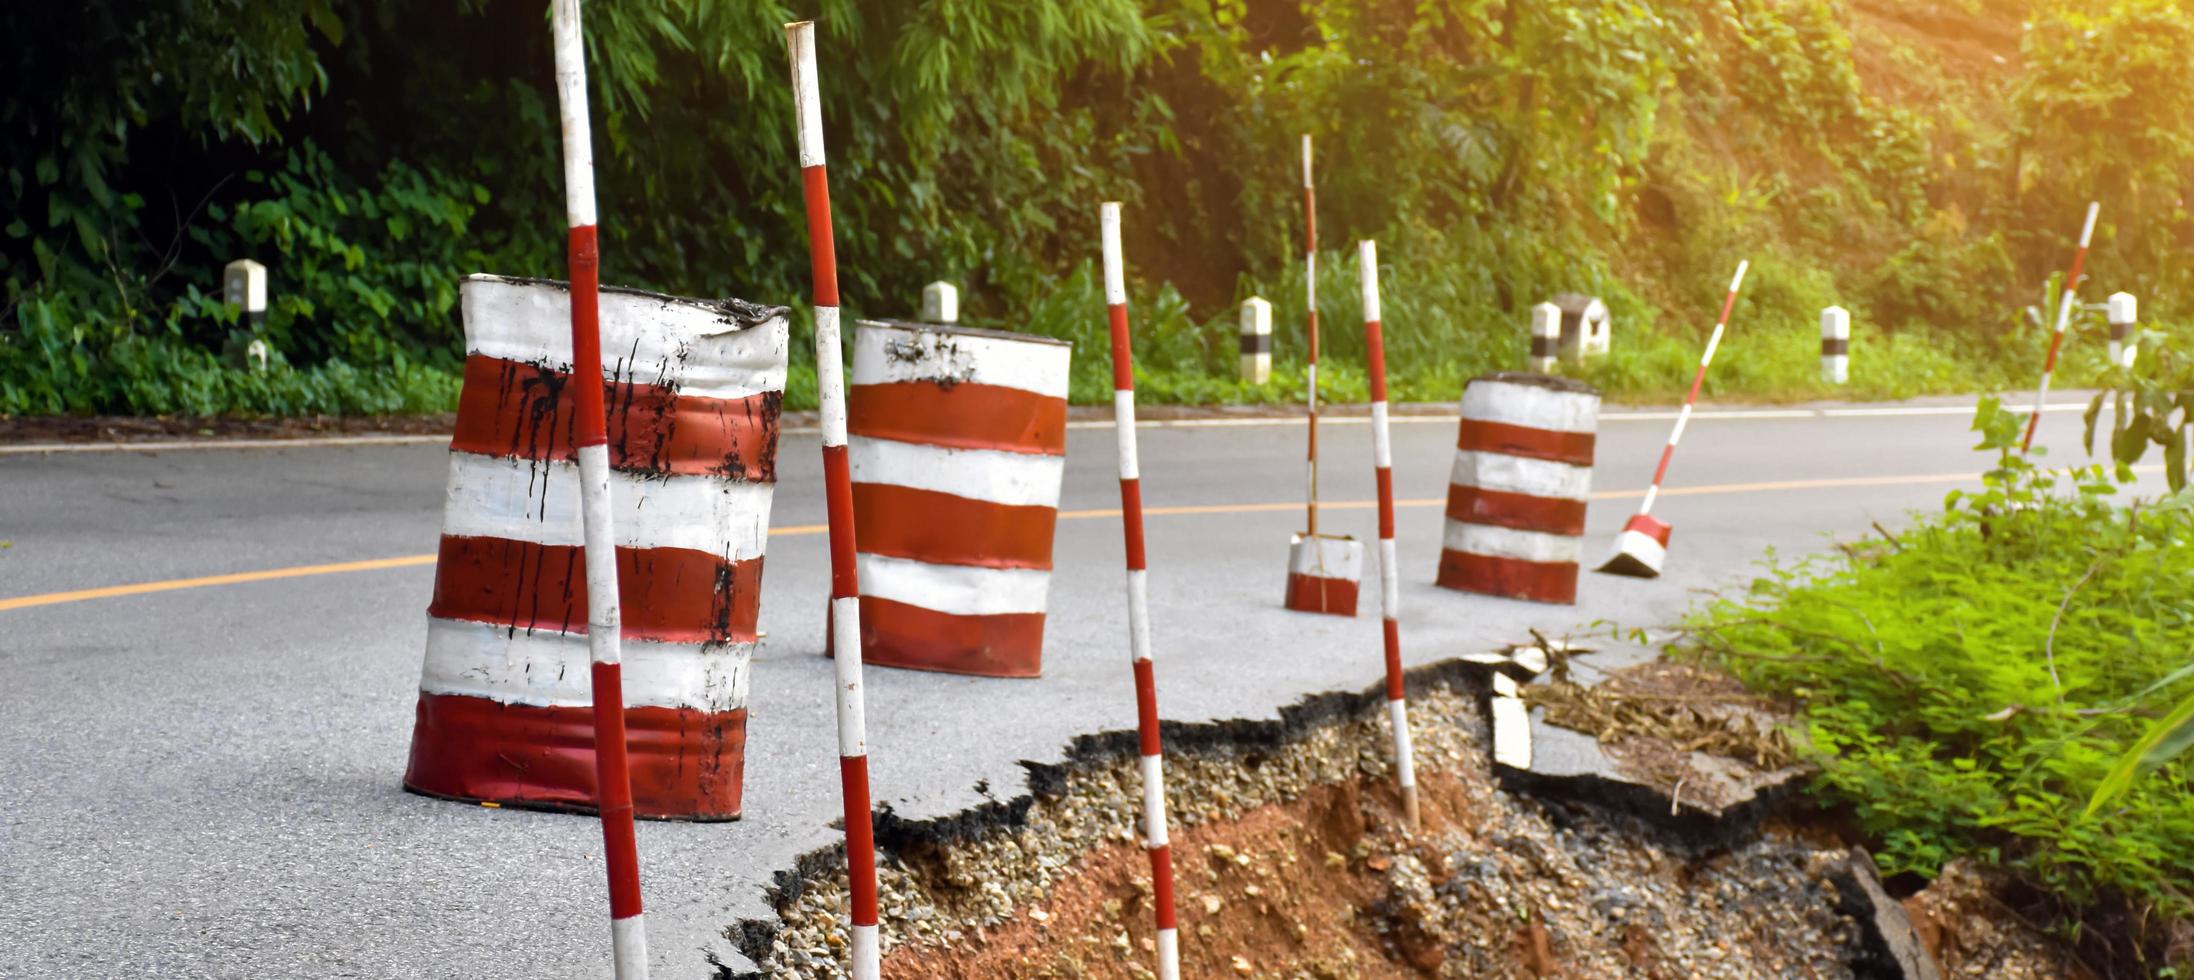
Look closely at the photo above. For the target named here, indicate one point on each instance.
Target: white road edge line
(1445, 418)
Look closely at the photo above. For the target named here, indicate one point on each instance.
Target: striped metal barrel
(1516, 497)
(958, 447)
(693, 390)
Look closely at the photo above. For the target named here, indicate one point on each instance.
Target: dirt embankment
(1291, 862)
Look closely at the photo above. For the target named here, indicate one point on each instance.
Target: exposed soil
(18, 430)
(1291, 862)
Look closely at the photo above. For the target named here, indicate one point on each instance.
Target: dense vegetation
(2010, 680)
(1923, 163)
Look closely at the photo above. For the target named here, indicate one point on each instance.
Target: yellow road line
(408, 561)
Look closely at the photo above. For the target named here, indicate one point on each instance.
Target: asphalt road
(204, 782)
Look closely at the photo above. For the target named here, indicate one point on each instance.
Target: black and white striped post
(244, 286)
(1256, 340)
(1835, 345)
(2124, 317)
(1546, 336)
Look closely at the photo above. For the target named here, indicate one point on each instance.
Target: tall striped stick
(1310, 303)
(613, 777)
(1138, 601)
(1390, 582)
(2064, 318)
(1643, 545)
(845, 588)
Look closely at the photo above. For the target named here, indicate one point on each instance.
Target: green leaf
(2165, 741)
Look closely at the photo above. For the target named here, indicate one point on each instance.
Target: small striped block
(505, 710)
(1256, 347)
(1518, 490)
(1324, 574)
(958, 446)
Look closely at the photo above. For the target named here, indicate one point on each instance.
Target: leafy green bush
(1967, 686)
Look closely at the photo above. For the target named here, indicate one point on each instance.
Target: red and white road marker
(1517, 494)
(1390, 583)
(959, 446)
(1323, 571)
(2071, 293)
(628, 931)
(1138, 600)
(1643, 545)
(845, 586)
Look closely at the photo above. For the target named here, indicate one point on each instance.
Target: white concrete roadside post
(244, 286)
(940, 303)
(1835, 345)
(1546, 336)
(1256, 340)
(2124, 316)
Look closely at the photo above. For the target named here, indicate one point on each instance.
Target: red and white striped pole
(845, 588)
(1138, 601)
(613, 777)
(1310, 303)
(2064, 318)
(1643, 545)
(1390, 582)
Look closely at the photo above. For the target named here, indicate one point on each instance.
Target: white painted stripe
(1639, 545)
(1306, 161)
(845, 652)
(1835, 323)
(1169, 955)
(1326, 556)
(867, 953)
(1653, 492)
(1123, 415)
(1508, 542)
(1310, 285)
(962, 590)
(1737, 281)
(1530, 406)
(647, 339)
(1516, 474)
(2087, 230)
(807, 97)
(571, 104)
(529, 500)
(1405, 768)
(628, 940)
(1108, 219)
(1390, 581)
(1511, 725)
(1683, 419)
(893, 353)
(1713, 341)
(830, 377)
(1367, 272)
(990, 475)
(1154, 801)
(545, 668)
(1138, 614)
(1382, 445)
(604, 609)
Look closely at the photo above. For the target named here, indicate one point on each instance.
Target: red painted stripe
(1384, 477)
(860, 837)
(1146, 708)
(1649, 526)
(1312, 593)
(963, 416)
(1474, 505)
(585, 260)
(1668, 452)
(1131, 519)
(1123, 358)
(1161, 892)
(1392, 631)
(845, 575)
(822, 250)
(895, 634)
(1515, 440)
(672, 595)
(943, 529)
(1511, 578)
(620, 843)
(685, 764)
(1375, 344)
(514, 409)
